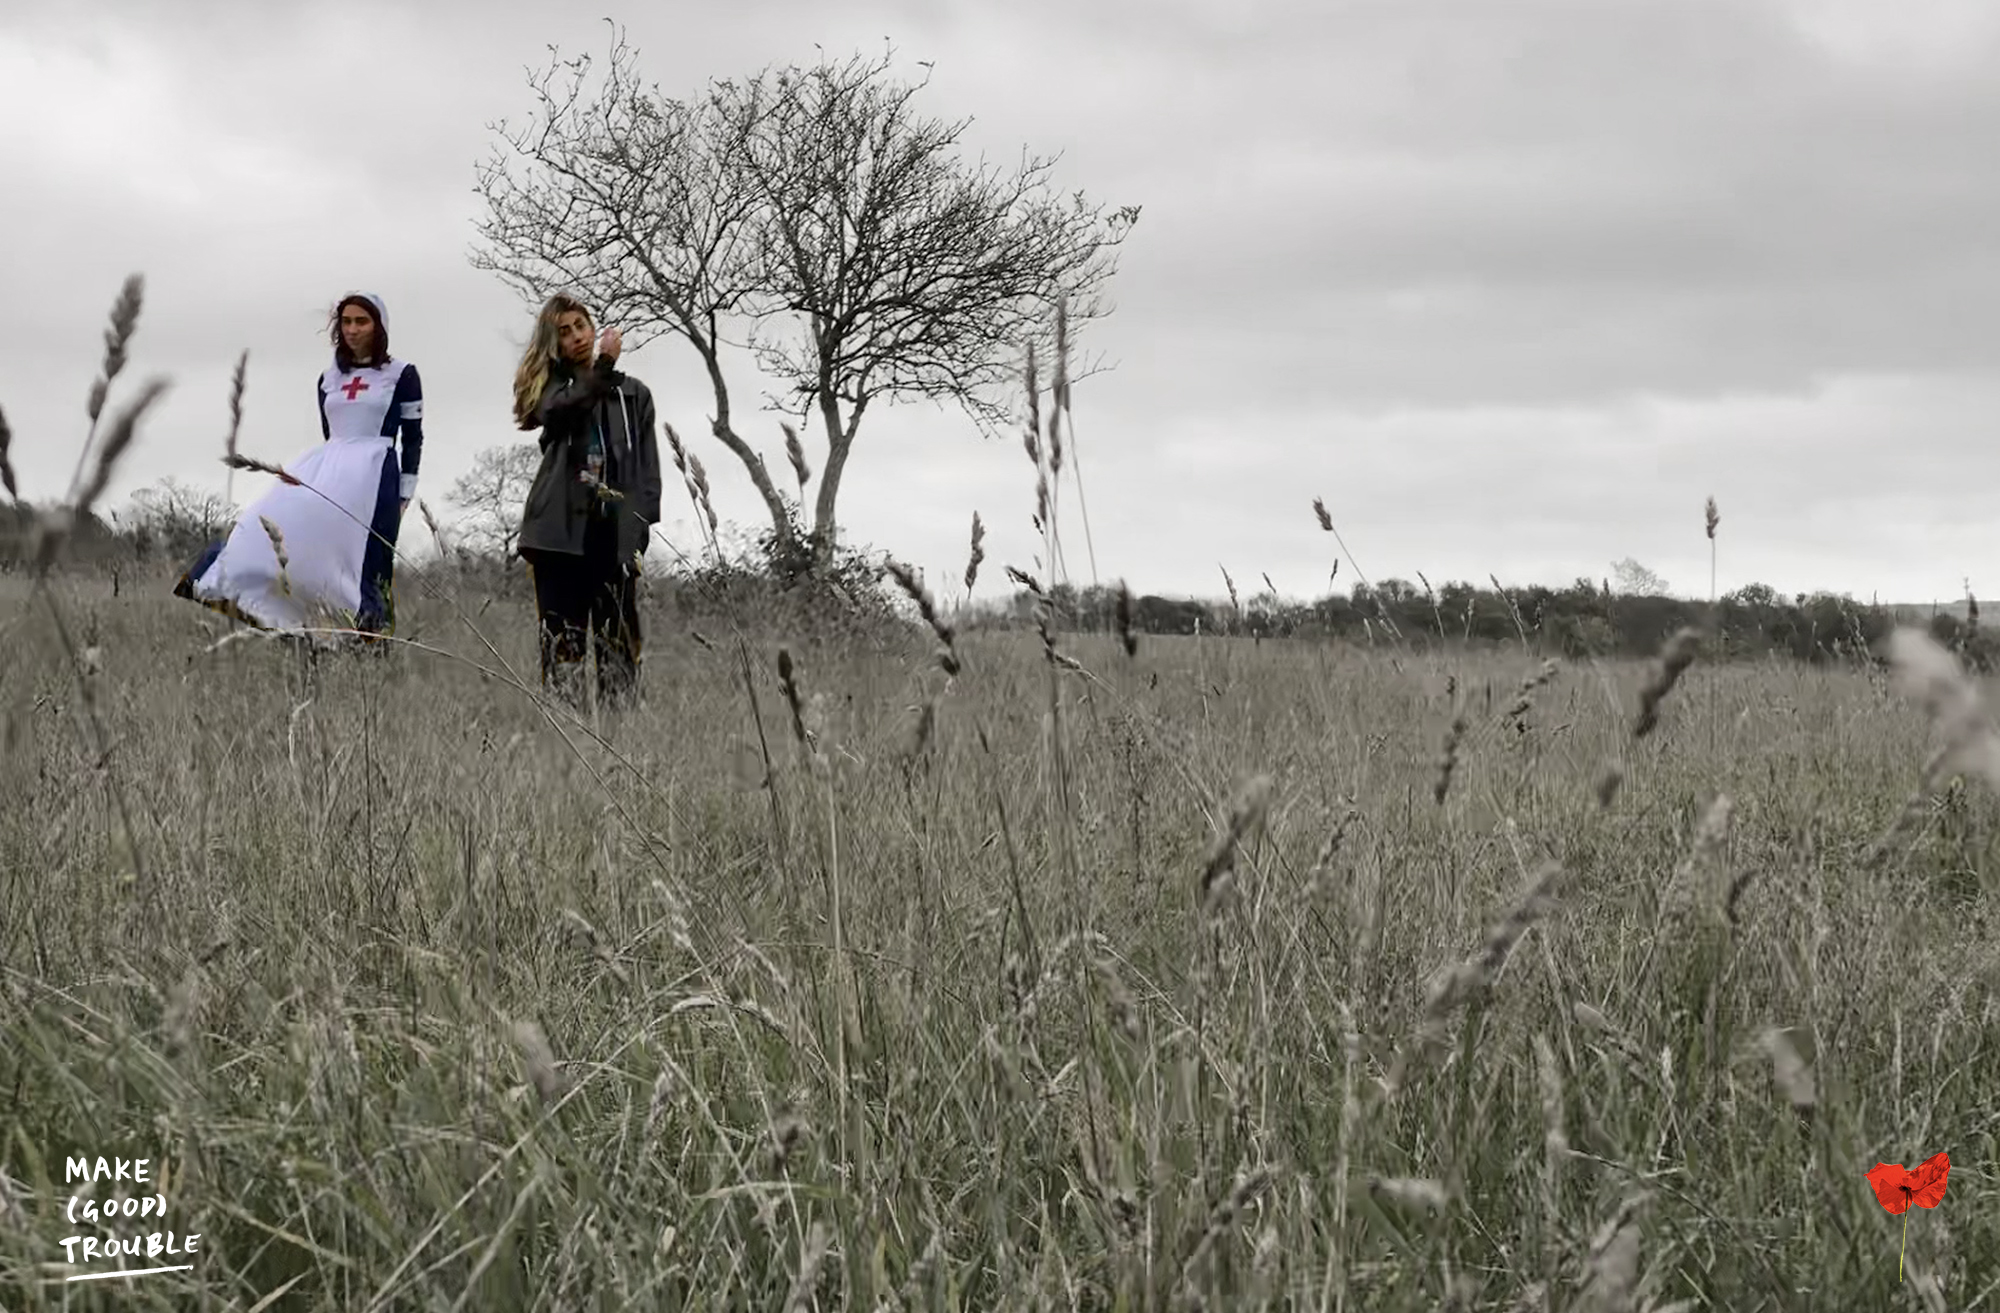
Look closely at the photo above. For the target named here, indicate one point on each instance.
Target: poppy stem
(1906, 1245)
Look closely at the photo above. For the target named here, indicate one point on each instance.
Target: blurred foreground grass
(425, 1002)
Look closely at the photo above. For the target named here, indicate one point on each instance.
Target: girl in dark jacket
(594, 501)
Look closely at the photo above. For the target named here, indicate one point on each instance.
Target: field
(1099, 987)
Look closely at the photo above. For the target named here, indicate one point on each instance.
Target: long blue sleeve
(406, 408)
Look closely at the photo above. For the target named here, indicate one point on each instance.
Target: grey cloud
(1475, 346)
(1563, 197)
(1405, 254)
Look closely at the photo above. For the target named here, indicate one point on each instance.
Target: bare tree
(902, 272)
(492, 493)
(1636, 580)
(628, 199)
(863, 258)
(175, 517)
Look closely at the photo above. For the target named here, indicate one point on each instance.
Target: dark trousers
(378, 560)
(593, 597)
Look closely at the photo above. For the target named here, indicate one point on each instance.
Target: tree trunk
(839, 441)
(760, 474)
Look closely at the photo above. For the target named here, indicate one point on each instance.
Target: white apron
(324, 523)
(325, 529)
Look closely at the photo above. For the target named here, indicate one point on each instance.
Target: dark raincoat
(559, 502)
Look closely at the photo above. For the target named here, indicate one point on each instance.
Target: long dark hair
(541, 356)
(378, 346)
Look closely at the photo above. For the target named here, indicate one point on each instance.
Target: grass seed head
(795, 452)
(1701, 878)
(923, 725)
(1034, 389)
(1548, 1076)
(977, 555)
(1591, 1019)
(789, 1132)
(1923, 671)
(117, 440)
(1447, 761)
(7, 466)
(538, 1060)
(1246, 812)
(255, 466)
(819, 1240)
(1454, 987)
(1611, 1270)
(277, 538)
(431, 523)
(236, 384)
(117, 338)
(1059, 388)
(1789, 1072)
(788, 685)
(1609, 779)
(679, 451)
(1675, 657)
(1410, 1194)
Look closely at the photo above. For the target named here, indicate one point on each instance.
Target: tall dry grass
(999, 972)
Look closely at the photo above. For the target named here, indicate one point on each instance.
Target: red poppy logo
(1898, 1188)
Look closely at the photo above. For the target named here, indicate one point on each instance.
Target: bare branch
(492, 493)
(628, 199)
(817, 209)
(902, 271)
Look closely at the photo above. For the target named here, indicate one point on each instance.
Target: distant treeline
(1586, 618)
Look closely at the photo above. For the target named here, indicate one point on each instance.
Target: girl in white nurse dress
(338, 525)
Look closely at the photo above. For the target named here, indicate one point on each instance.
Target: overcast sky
(1512, 284)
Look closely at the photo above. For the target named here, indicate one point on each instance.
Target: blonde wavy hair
(532, 374)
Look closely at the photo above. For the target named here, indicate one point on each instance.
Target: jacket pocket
(537, 498)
